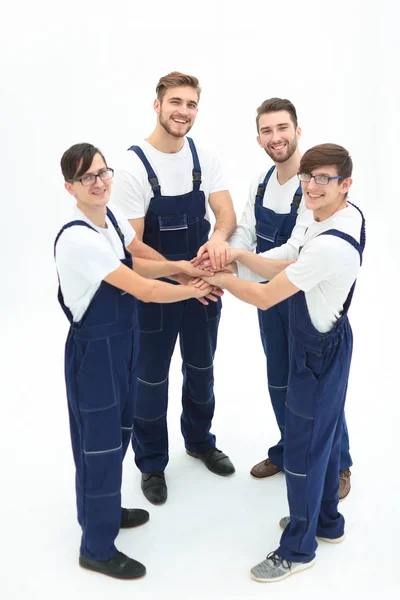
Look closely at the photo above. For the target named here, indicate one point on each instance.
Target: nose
(98, 182)
(311, 184)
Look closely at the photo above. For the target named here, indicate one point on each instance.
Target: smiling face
(95, 195)
(278, 135)
(177, 110)
(324, 200)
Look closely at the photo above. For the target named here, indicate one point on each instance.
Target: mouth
(314, 196)
(180, 121)
(278, 147)
(99, 192)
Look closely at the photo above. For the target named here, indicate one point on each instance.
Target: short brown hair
(176, 79)
(326, 155)
(76, 160)
(275, 105)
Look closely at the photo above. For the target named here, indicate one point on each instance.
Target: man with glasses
(167, 192)
(275, 215)
(320, 286)
(98, 291)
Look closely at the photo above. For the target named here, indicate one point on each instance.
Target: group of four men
(124, 324)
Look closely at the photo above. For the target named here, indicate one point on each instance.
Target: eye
(87, 178)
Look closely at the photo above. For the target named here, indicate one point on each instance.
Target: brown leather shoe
(344, 484)
(265, 468)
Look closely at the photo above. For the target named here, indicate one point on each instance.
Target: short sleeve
(87, 253)
(218, 183)
(128, 194)
(322, 260)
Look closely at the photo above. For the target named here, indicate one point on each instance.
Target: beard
(290, 150)
(169, 127)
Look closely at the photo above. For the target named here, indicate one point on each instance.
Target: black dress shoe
(119, 566)
(215, 460)
(133, 517)
(154, 487)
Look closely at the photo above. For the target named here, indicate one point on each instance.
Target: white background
(87, 71)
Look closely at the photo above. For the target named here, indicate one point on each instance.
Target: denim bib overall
(273, 230)
(176, 227)
(100, 373)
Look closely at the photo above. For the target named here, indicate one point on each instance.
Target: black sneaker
(215, 460)
(119, 566)
(154, 487)
(133, 517)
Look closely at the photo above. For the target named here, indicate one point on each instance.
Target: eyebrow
(269, 126)
(91, 173)
(181, 100)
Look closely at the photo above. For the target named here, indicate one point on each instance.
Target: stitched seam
(149, 420)
(295, 474)
(152, 384)
(93, 410)
(102, 451)
(199, 368)
(297, 414)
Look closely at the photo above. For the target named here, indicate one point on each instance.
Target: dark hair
(275, 105)
(327, 154)
(176, 79)
(76, 160)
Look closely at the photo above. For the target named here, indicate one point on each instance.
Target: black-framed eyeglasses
(89, 179)
(319, 179)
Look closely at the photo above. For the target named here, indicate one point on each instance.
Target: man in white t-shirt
(97, 292)
(276, 214)
(320, 286)
(166, 191)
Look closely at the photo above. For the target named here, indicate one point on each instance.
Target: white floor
(212, 530)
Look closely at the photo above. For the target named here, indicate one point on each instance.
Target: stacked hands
(205, 271)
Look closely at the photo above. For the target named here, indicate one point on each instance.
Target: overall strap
(196, 166)
(358, 246)
(117, 228)
(65, 308)
(294, 207)
(262, 186)
(67, 226)
(362, 234)
(152, 177)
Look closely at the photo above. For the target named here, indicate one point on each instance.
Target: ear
(69, 187)
(346, 185)
(259, 141)
(156, 106)
(298, 133)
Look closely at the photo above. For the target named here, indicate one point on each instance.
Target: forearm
(149, 290)
(267, 268)
(142, 250)
(224, 228)
(250, 292)
(153, 269)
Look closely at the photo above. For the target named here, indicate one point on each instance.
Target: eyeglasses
(89, 179)
(319, 179)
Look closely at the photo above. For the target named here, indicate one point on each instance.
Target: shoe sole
(328, 540)
(303, 567)
(193, 455)
(154, 503)
(134, 526)
(265, 476)
(122, 578)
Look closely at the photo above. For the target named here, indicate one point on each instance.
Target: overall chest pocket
(173, 231)
(266, 232)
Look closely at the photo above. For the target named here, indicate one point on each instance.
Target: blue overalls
(176, 227)
(273, 230)
(318, 376)
(100, 373)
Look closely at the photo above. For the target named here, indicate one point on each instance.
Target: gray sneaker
(275, 568)
(285, 521)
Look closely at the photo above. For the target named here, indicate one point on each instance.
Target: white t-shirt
(132, 192)
(84, 258)
(278, 198)
(326, 268)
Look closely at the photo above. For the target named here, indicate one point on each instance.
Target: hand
(189, 268)
(218, 253)
(216, 280)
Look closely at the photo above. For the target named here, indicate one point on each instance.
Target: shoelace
(278, 560)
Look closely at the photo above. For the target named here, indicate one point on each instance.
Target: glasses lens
(321, 179)
(104, 175)
(88, 180)
(304, 177)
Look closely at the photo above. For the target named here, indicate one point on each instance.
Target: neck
(328, 211)
(288, 169)
(163, 141)
(96, 214)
